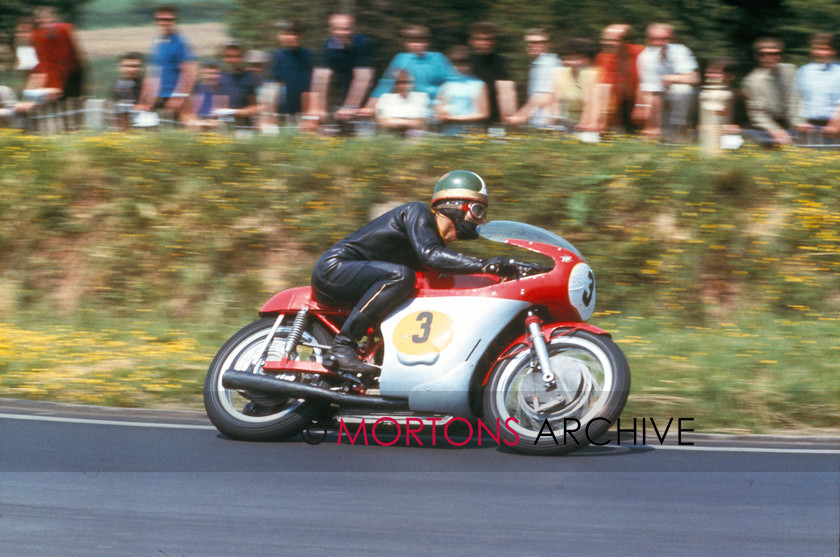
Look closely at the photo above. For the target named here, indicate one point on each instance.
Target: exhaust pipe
(240, 380)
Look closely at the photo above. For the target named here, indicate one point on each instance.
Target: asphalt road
(82, 481)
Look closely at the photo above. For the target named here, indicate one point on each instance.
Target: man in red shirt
(617, 65)
(59, 62)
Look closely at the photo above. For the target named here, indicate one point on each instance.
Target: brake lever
(525, 269)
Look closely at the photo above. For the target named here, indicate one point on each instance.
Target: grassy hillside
(719, 278)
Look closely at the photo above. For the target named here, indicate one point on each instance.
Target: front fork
(534, 325)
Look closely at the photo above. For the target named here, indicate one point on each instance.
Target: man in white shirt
(818, 84)
(668, 74)
(537, 109)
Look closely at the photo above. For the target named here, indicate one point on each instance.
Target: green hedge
(183, 222)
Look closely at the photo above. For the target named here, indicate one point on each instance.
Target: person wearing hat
(373, 269)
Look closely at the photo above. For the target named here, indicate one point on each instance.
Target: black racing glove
(501, 266)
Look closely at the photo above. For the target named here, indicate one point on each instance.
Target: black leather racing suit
(373, 269)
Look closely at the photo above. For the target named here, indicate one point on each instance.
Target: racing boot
(342, 357)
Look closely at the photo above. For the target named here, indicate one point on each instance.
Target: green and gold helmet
(461, 185)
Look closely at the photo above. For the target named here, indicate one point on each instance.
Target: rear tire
(592, 381)
(251, 416)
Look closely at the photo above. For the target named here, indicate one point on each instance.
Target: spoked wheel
(252, 416)
(589, 390)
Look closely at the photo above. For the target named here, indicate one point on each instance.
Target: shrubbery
(179, 221)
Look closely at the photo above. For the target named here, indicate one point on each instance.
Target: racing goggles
(477, 210)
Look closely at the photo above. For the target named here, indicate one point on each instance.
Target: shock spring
(295, 334)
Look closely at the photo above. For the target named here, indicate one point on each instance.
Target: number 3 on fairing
(582, 290)
(425, 320)
(423, 332)
(590, 289)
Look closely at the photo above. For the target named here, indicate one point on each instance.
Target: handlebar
(523, 269)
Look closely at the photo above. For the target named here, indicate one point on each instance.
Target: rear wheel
(251, 416)
(590, 388)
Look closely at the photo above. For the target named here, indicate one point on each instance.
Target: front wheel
(589, 390)
(251, 416)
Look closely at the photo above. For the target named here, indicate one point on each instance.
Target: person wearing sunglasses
(772, 97)
(172, 67)
(373, 269)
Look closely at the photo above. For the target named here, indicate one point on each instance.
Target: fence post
(95, 114)
(715, 101)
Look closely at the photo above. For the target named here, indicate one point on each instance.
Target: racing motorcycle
(512, 351)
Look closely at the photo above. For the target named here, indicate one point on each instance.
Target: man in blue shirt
(429, 69)
(818, 84)
(350, 58)
(291, 68)
(172, 68)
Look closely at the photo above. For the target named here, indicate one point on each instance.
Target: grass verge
(761, 375)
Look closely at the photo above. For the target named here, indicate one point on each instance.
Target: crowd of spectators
(655, 90)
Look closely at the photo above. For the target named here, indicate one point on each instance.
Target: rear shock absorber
(301, 319)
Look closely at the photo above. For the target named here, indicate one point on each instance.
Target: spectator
(59, 66)
(239, 86)
(126, 90)
(291, 68)
(537, 109)
(172, 68)
(405, 110)
(256, 62)
(576, 91)
(206, 101)
(619, 74)
(350, 58)
(429, 69)
(818, 84)
(488, 65)
(668, 74)
(462, 104)
(772, 99)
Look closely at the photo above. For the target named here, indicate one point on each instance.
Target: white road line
(103, 422)
(739, 449)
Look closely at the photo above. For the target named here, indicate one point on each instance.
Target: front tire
(592, 381)
(251, 416)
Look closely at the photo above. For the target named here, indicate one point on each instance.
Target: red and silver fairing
(435, 340)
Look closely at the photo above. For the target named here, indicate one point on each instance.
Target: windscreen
(501, 230)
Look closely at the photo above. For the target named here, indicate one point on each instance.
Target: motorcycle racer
(373, 269)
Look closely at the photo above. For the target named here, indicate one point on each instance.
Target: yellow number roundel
(423, 332)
